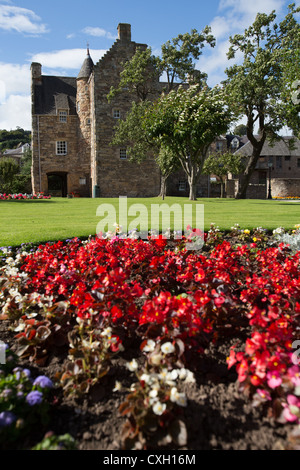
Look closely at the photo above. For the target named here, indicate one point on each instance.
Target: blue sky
(55, 33)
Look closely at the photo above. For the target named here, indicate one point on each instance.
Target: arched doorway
(57, 184)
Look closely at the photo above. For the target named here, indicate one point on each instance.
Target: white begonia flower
(159, 408)
(178, 397)
(132, 365)
(145, 378)
(118, 386)
(149, 346)
(153, 393)
(167, 348)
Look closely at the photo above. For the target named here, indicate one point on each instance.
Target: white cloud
(21, 20)
(66, 58)
(98, 32)
(16, 112)
(15, 78)
(251, 8)
(233, 17)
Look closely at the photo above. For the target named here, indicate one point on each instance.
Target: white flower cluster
(155, 382)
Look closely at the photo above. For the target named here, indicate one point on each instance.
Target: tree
(139, 143)
(256, 89)
(241, 129)
(141, 74)
(186, 122)
(9, 168)
(220, 165)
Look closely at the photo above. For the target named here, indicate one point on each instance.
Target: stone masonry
(73, 125)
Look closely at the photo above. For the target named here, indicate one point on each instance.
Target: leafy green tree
(221, 164)
(9, 168)
(139, 143)
(140, 76)
(186, 122)
(257, 87)
(241, 129)
(142, 72)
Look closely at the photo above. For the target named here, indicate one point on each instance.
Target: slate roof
(87, 67)
(280, 148)
(55, 93)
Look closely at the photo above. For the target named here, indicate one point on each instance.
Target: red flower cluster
(195, 296)
(20, 196)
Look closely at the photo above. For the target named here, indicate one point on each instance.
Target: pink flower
(264, 394)
(274, 379)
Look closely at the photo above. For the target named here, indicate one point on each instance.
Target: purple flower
(43, 382)
(7, 418)
(34, 398)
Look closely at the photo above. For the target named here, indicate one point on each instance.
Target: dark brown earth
(217, 417)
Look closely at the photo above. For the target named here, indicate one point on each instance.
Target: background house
(278, 164)
(18, 153)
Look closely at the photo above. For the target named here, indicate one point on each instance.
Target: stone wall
(285, 187)
(47, 130)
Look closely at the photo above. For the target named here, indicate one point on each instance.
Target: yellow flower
(247, 231)
(254, 239)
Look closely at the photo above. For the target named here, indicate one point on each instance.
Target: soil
(217, 417)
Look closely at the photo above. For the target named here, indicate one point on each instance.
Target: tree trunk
(242, 192)
(222, 189)
(192, 183)
(163, 186)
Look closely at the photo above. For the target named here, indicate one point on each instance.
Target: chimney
(124, 31)
(36, 73)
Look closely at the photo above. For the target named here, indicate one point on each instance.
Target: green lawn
(58, 219)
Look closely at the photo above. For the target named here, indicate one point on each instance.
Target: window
(123, 154)
(262, 177)
(63, 116)
(287, 158)
(61, 147)
(88, 122)
(219, 146)
(116, 114)
(182, 185)
(82, 181)
(278, 162)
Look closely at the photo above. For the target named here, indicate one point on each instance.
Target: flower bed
(147, 314)
(20, 196)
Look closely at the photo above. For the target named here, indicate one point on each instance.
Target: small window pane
(61, 148)
(182, 186)
(63, 116)
(123, 154)
(117, 114)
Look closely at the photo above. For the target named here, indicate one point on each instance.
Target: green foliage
(15, 178)
(9, 168)
(220, 164)
(53, 442)
(186, 122)
(139, 75)
(179, 54)
(257, 88)
(241, 129)
(131, 134)
(11, 139)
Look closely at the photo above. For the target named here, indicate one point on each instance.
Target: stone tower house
(72, 127)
